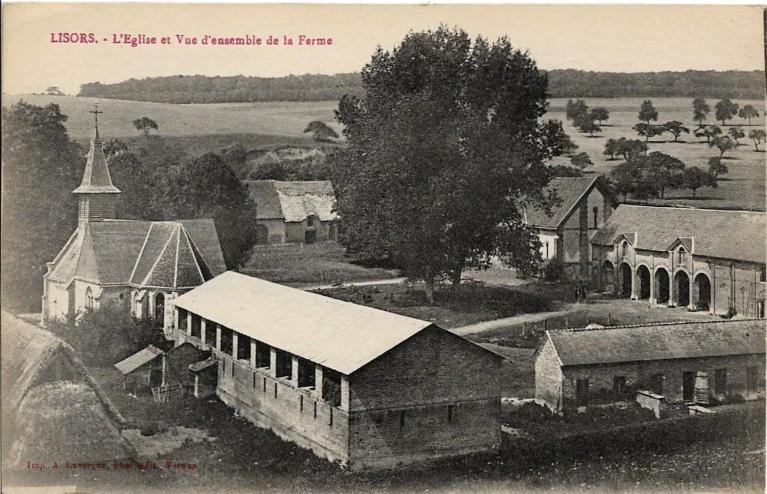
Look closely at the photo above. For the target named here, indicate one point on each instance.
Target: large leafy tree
(647, 112)
(748, 112)
(694, 178)
(700, 110)
(725, 110)
(444, 151)
(41, 166)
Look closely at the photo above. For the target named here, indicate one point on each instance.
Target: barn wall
(418, 381)
(276, 229)
(251, 392)
(548, 376)
(550, 238)
(638, 375)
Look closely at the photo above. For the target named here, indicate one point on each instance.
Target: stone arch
(701, 292)
(682, 288)
(624, 280)
(608, 276)
(262, 235)
(643, 280)
(662, 286)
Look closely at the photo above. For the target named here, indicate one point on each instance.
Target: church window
(682, 255)
(595, 212)
(89, 299)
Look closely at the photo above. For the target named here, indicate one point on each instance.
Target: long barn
(354, 384)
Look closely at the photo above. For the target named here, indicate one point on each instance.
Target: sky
(623, 38)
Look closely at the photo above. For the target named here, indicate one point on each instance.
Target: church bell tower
(97, 195)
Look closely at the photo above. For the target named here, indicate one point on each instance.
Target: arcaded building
(702, 259)
(681, 362)
(354, 384)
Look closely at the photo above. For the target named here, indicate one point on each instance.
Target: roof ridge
(655, 324)
(690, 208)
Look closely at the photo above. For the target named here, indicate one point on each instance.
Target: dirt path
(384, 281)
(510, 321)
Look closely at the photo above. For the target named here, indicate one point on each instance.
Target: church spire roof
(96, 178)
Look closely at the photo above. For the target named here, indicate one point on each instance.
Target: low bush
(104, 337)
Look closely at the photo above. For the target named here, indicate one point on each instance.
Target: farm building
(700, 258)
(138, 265)
(580, 367)
(293, 212)
(355, 384)
(583, 205)
(52, 408)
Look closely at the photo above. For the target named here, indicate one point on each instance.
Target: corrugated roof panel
(339, 335)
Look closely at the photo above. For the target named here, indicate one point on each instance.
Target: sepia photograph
(367, 248)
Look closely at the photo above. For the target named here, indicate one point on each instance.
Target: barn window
(582, 392)
(763, 273)
(263, 355)
(243, 348)
(301, 404)
(330, 417)
(401, 419)
(595, 213)
(305, 373)
(264, 385)
(720, 381)
(315, 409)
(331, 387)
(619, 386)
(547, 249)
(450, 413)
(275, 390)
(682, 255)
(254, 380)
(752, 379)
(284, 364)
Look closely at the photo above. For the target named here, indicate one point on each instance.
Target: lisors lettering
(83, 38)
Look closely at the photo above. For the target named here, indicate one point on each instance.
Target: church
(137, 265)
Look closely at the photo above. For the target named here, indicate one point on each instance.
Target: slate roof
(138, 359)
(737, 235)
(173, 254)
(293, 201)
(658, 342)
(96, 179)
(569, 190)
(339, 335)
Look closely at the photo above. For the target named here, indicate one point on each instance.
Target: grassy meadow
(201, 128)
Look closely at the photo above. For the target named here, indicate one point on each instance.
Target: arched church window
(89, 302)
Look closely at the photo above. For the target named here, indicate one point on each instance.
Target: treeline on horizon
(567, 83)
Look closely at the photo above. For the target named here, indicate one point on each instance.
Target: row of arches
(680, 293)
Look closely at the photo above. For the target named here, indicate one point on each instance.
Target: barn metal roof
(138, 359)
(339, 335)
(658, 342)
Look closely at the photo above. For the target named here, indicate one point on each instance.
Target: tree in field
(623, 178)
(694, 178)
(560, 140)
(600, 114)
(611, 148)
(54, 91)
(716, 167)
(723, 144)
(758, 136)
(322, 131)
(581, 161)
(661, 169)
(700, 110)
(709, 133)
(736, 133)
(585, 124)
(647, 112)
(676, 128)
(145, 125)
(648, 130)
(725, 110)
(748, 112)
(629, 148)
(40, 168)
(443, 152)
(574, 109)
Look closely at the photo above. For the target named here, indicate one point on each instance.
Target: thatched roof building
(52, 406)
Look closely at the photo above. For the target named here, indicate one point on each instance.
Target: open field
(310, 264)
(212, 127)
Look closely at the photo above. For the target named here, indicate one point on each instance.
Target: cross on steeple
(96, 112)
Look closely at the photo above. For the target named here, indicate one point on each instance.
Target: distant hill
(568, 83)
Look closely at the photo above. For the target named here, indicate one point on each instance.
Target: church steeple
(96, 192)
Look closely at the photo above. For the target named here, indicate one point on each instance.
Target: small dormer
(625, 242)
(681, 249)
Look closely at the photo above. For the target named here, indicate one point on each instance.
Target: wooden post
(318, 381)
(252, 352)
(218, 337)
(203, 326)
